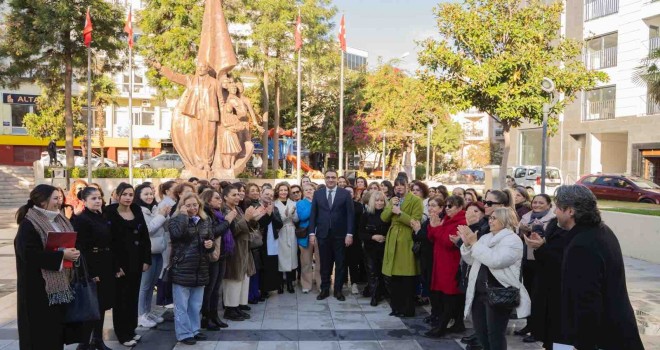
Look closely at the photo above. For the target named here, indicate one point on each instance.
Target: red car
(622, 188)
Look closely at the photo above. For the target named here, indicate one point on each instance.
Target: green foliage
(48, 122)
(42, 40)
(493, 56)
(648, 74)
(118, 173)
(244, 175)
(274, 174)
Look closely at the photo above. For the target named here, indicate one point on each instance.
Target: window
(138, 83)
(603, 181)
(602, 51)
(600, 8)
(143, 116)
(588, 180)
(600, 104)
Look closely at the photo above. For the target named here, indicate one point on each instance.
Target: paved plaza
(299, 321)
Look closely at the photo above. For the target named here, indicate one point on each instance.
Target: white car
(530, 175)
(78, 159)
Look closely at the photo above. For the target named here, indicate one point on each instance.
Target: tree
(493, 55)
(103, 92)
(43, 41)
(49, 121)
(648, 74)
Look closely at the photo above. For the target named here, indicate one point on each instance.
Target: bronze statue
(210, 126)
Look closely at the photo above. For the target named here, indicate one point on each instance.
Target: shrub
(118, 173)
(274, 174)
(244, 175)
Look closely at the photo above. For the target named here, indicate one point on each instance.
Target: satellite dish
(257, 162)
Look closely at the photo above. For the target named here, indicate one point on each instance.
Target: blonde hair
(507, 217)
(187, 196)
(373, 197)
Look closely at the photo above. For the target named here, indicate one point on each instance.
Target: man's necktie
(330, 198)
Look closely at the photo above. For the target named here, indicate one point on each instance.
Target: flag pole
(341, 115)
(298, 117)
(130, 105)
(89, 115)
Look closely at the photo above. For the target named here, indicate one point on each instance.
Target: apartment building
(479, 131)
(613, 127)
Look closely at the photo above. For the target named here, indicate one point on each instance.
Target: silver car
(161, 161)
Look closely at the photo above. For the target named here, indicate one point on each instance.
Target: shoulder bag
(85, 304)
(504, 297)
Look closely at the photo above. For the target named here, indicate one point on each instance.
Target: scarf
(227, 236)
(538, 215)
(57, 283)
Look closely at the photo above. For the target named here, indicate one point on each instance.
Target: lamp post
(383, 158)
(548, 86)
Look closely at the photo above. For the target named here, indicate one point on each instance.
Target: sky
(388, 28)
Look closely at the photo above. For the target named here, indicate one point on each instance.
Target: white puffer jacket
(156, 226)
(502, 253)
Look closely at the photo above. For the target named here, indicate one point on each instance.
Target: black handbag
(85, 304)
(301, 232)
(504, 297)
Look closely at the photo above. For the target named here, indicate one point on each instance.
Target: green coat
(399, 259)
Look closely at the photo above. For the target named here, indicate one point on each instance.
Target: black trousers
(93, 329)
(374, 259)
(489, 323)
(446, 307)
(355, 261)
(125, 313)
(212, 290)
(332, 252)
(402, 294)
(529, 276)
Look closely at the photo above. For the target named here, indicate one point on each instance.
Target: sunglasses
(491, 203)
(295, 192)
(449, 206)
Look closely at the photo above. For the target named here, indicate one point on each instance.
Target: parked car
(161, 161)
(530, 175)
(622, 188)
(78, 159)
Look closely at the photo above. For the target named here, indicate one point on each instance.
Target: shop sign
(19, 99)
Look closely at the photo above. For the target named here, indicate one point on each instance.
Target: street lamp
(429, 131)
(548, 86)
(383, 157)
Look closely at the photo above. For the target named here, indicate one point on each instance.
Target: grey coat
(241, 262)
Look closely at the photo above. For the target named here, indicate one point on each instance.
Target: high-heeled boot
(98, 344)
(289, 286)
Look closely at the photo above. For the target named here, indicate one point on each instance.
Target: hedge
(121, 173)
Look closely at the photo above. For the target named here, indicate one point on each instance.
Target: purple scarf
(227, 236)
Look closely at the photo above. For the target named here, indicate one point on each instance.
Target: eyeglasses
(491, 203)
(295, 192)
(192, 205)
(449, 206)
(492, 218)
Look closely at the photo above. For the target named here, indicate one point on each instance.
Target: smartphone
(537, 228)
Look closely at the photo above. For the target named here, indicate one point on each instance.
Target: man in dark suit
(331, 223)
(595, 308)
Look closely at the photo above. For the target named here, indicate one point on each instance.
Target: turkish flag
(299, 41)
(87, 31)
(128, 28)
(342, 34)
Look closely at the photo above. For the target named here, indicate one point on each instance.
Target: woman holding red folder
(131, 249)
(43, 285)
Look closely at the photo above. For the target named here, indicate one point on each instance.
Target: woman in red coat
(446, 261)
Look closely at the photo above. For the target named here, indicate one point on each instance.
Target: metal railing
(599, 110)
(600, 8)
(602, 58)
(654, 44)
(474, 134)
(652, 107)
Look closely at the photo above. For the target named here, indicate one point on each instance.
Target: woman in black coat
(131, 250)
(40, 322)
(95, 243)
(373, 232)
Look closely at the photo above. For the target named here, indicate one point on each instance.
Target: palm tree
(648, 73)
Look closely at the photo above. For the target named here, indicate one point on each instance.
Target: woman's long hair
(373, 197)
(38, 196)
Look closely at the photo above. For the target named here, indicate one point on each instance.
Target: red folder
(61, 240)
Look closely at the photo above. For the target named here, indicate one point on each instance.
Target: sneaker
(305, 291)
(144, 321)
(354, 289)
(137, 337)
(189, 341)
(152, 316)
(129, 344)
(169, 306)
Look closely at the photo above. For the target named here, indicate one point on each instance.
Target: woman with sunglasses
(446, 259)
(496, 262)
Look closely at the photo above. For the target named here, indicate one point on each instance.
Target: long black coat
(595, 308)
(95, 244)
(270, 277)
(546, 296)
(131, 247)
(40, 326)
(191, 265)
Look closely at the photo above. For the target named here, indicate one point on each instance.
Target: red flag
(299, 41)
(128, 28)
(87, 31)
(342, 34)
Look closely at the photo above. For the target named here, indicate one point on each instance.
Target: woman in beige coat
(287, 243)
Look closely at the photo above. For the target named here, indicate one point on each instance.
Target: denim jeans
(148, 282)
(187, 305)
(489, 323)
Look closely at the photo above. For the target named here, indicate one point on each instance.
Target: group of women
(205, 237)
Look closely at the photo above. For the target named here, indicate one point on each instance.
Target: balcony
(600, 8)
(599, 110)
(652, 108)
(600, 59)
(654, 44)
(474, 135)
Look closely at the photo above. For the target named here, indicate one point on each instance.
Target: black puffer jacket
(190, 262)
